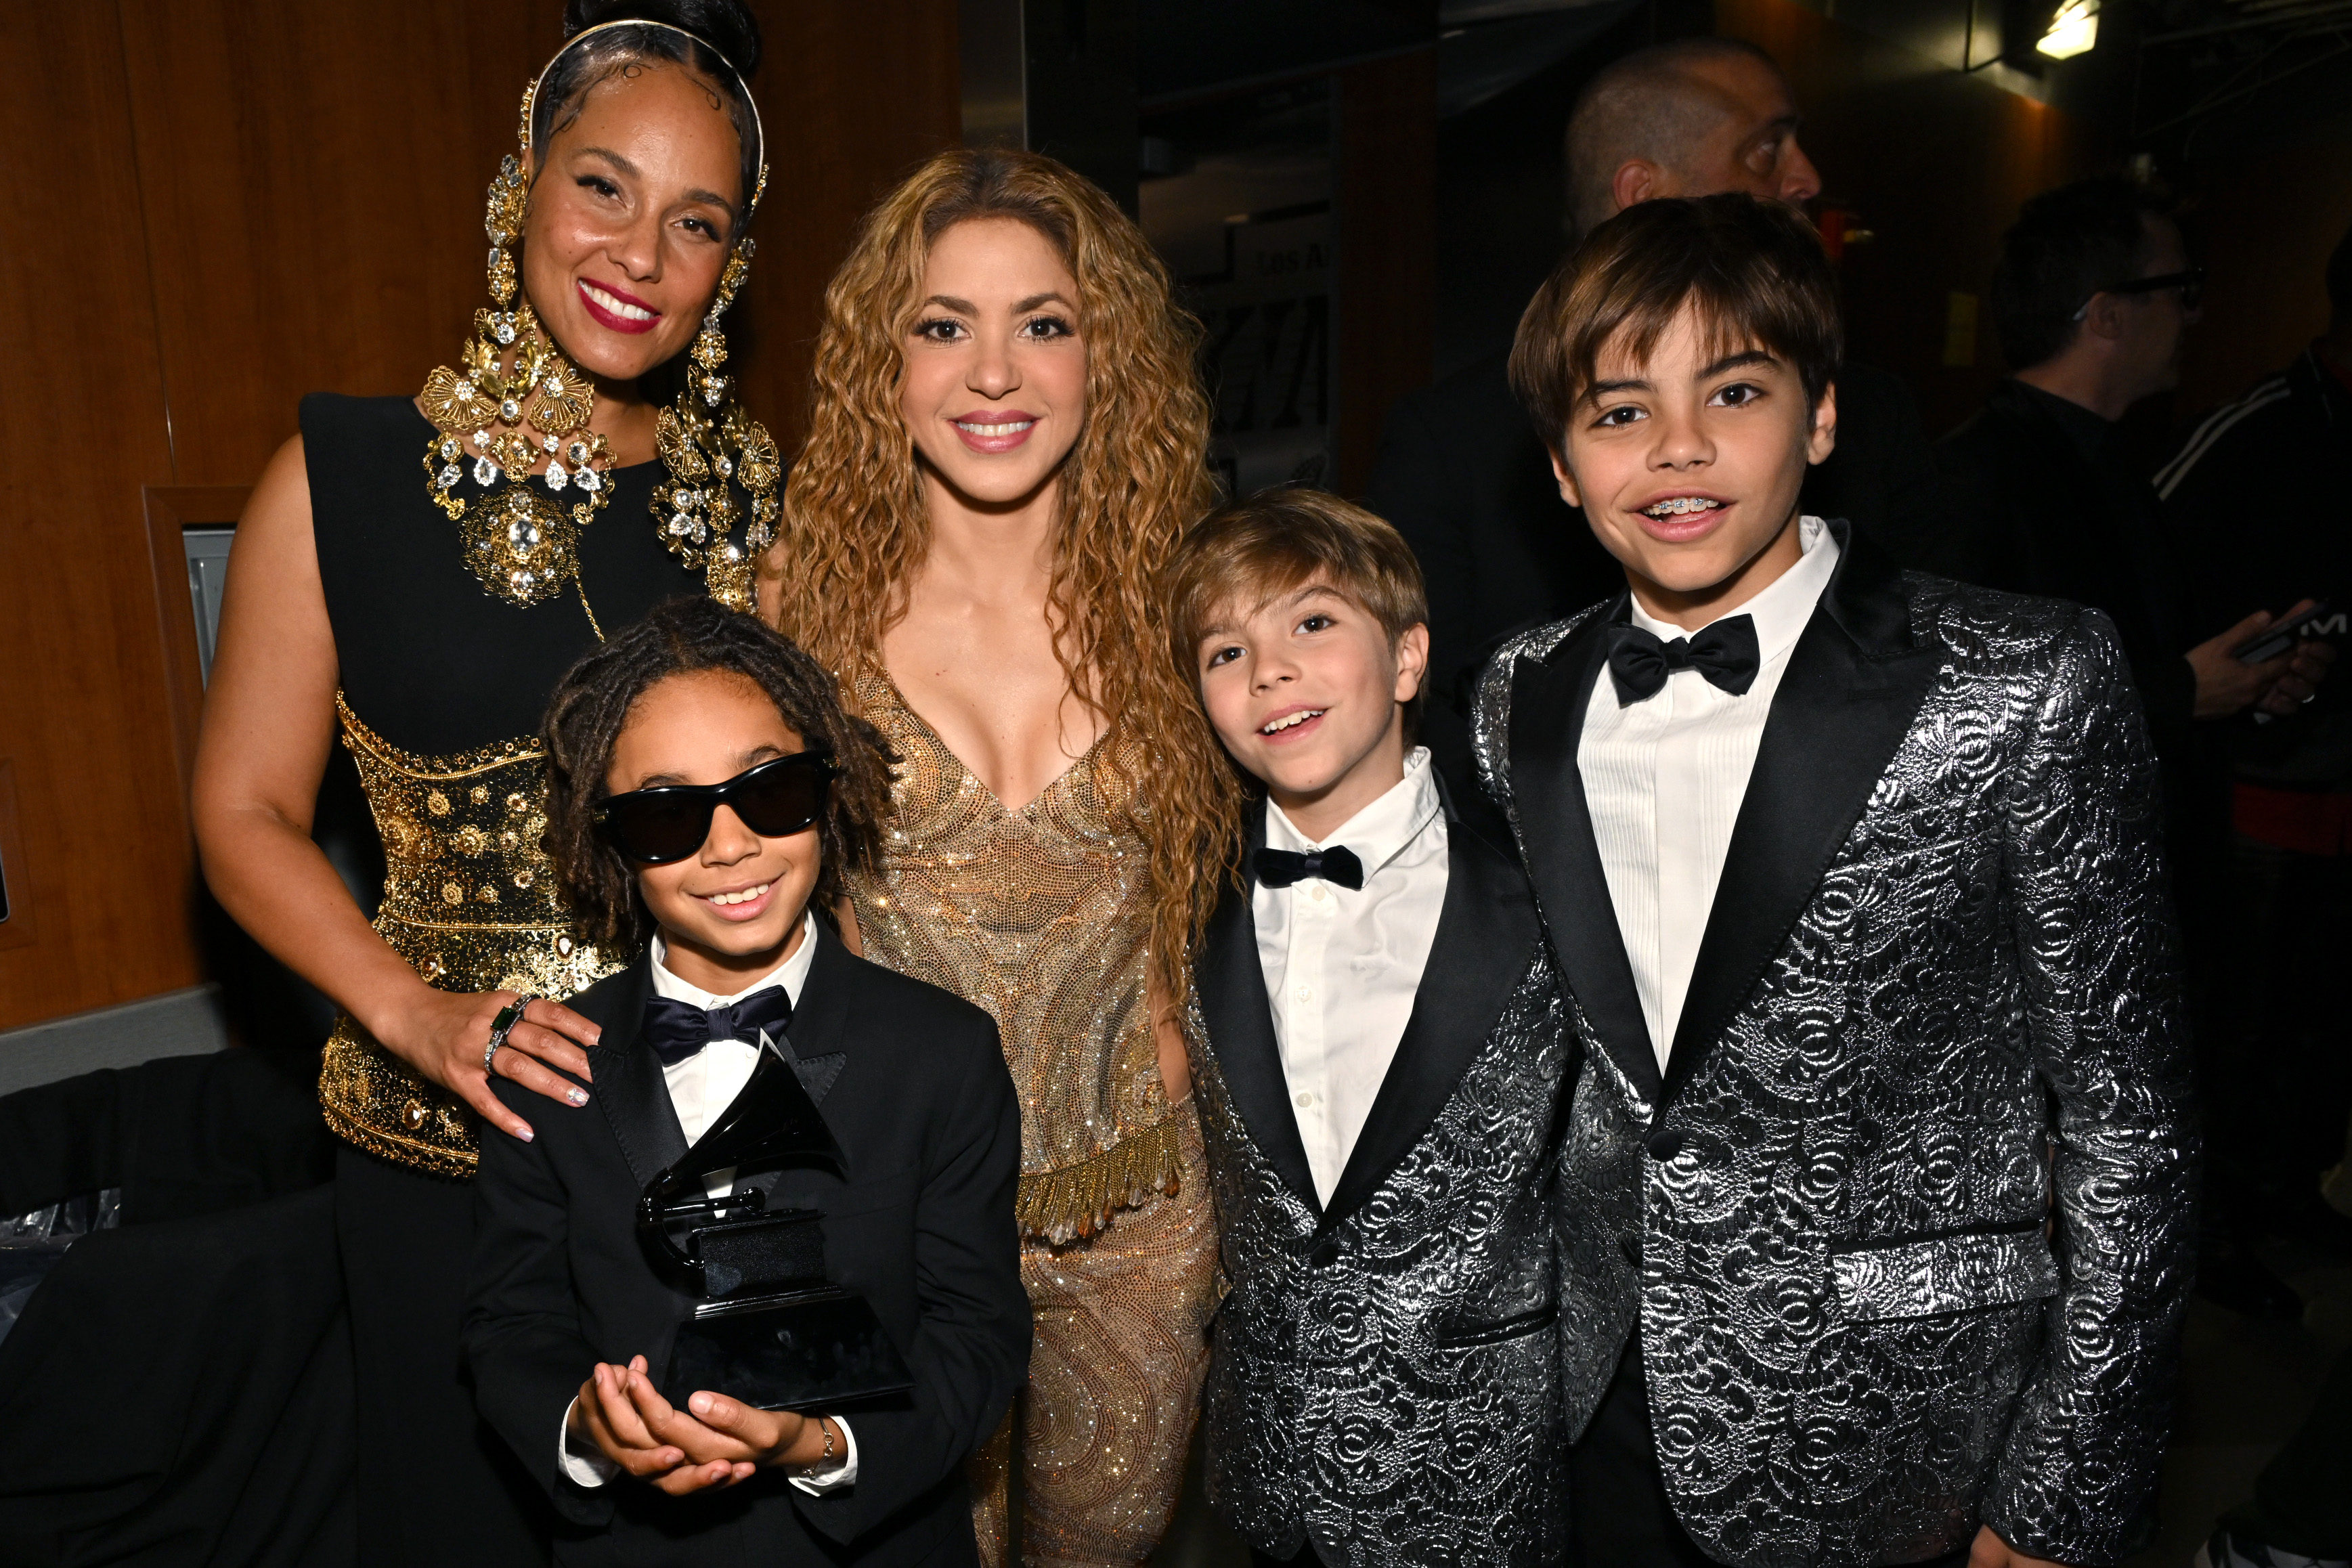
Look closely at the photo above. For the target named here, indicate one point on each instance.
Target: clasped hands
(714, 1442)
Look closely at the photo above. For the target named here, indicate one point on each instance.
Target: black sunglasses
(2191, 284)
(669, 822)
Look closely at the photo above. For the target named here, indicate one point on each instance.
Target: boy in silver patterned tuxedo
(1380, 1055)
(1875, 1190)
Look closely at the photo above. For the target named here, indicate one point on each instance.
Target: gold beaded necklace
(517, 399)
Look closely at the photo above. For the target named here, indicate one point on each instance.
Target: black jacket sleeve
(971, 1350)
(523, 1332)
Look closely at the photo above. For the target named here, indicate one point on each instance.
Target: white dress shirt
(1664, 779)
(1342, 965)
(701, 1086)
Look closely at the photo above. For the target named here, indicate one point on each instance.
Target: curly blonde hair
(856, 526)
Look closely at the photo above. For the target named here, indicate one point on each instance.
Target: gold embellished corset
(469, 902)
(1043, 917)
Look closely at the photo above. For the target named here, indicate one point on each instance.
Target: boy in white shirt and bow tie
(705, 790)
(1380, 1050)
(1875, 1187)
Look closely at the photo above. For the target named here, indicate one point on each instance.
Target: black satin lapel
(628, 1084)
(818, 1042)
(1240, 1022)
(1853, 686)
(817, 1073)
(1548, 705)
(820, 1024)
(1486, 934)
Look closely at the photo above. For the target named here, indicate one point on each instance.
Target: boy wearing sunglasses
(705, 791)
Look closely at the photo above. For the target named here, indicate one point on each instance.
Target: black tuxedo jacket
(914, 1088)
(1385, 1385)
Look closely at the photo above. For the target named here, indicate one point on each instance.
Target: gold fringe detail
(1073, 1203)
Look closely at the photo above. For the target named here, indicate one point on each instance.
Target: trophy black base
(809, 1350)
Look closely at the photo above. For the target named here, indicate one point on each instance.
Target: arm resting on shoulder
(971, 1350)
(2097, 947)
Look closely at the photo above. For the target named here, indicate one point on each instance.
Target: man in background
(2290, 859)
(2092, 295)
(1465, 477)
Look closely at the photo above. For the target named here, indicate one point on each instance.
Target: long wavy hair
(856, 524)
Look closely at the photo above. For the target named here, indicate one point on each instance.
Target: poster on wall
(1236, 196)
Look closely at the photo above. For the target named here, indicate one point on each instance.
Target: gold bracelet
(824, 1430)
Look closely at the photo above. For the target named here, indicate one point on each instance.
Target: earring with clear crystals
(707, 441)
(516, 400)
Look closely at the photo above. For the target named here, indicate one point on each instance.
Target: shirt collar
(1379, 832)
(1785, 607)
(791, 973)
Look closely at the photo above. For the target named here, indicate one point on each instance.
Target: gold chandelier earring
(516, 400)
(703, 446)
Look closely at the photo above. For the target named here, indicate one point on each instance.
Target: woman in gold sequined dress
(1007, 439)
(424, 610)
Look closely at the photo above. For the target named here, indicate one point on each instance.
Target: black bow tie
(1724, 654)
(1337, 865)
(679, 1029)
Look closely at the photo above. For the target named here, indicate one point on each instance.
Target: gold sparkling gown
(1043, 917)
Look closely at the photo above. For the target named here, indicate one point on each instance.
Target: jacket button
(1665, 1143)
(1631, 1246)
(1326, 1254)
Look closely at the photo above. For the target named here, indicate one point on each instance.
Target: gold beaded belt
(469, 903)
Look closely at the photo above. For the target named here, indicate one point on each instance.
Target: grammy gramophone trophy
(770, 1329)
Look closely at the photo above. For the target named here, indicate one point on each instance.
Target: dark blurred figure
(2301, 1513)
(2291, 1051)
(2092, 295)
(1464, 478)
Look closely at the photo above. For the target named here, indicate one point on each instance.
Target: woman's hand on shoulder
(443, 1034)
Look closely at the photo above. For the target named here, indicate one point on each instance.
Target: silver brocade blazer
(1385, 1381)
(1942, 950)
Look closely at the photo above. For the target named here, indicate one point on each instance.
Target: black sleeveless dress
(443, 687)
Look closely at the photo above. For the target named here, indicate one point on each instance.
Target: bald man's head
(1687, 119)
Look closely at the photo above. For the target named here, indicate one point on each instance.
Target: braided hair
(683, 636)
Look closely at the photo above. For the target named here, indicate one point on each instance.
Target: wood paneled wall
(98, 865)
(222, 205)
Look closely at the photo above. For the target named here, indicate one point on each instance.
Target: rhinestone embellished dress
(441, 689)
(1043, 917)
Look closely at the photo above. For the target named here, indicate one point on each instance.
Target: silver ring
(502, 1026)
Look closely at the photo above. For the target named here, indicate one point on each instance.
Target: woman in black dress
(414, 573)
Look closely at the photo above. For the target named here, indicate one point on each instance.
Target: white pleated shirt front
(1663, 780)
